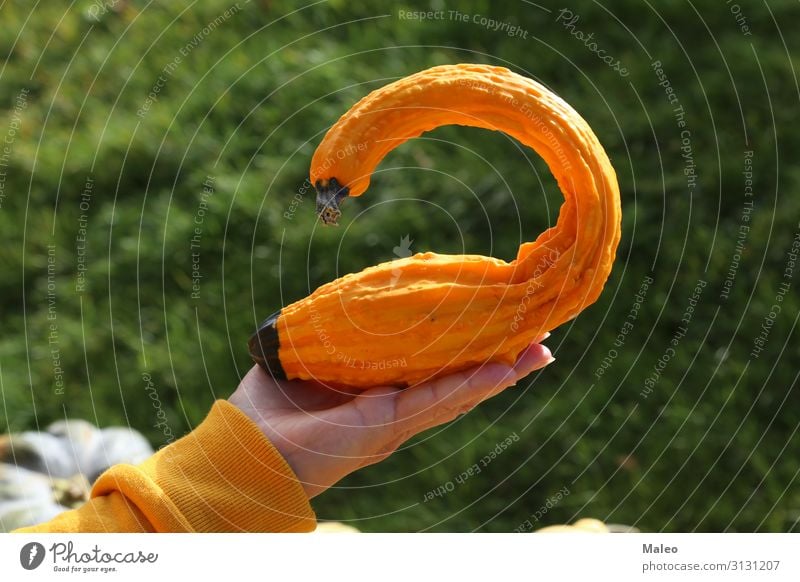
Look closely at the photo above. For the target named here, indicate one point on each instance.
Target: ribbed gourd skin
(410, 320)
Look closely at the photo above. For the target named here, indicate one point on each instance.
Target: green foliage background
(713, 448)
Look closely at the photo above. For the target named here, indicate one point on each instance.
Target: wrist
(245, 398)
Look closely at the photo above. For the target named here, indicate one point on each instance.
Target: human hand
(326, 434)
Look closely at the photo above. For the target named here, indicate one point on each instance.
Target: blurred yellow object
(585, 525)
(326, 527)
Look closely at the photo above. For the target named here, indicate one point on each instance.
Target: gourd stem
(329, 195)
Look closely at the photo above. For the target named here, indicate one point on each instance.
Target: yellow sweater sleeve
(224, 476)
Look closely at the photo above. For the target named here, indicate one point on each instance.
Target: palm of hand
(326, 434)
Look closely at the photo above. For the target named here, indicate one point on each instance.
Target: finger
(391, 416)
(395, 415)
(445, 398)
(392, 412)
(535, 357)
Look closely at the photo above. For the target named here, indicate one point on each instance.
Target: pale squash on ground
(45, 473)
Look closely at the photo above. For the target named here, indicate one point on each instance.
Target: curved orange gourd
(413, 319)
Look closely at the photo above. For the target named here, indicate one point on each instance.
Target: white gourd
(26, 498)
(46, 473)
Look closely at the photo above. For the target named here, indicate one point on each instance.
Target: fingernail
(550, 361)
(546, 335)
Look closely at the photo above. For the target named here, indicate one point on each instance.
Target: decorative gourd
(46, 473)
(412, 319)
(26, 498)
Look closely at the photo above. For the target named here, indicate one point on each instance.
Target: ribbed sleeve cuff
(223, 476)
